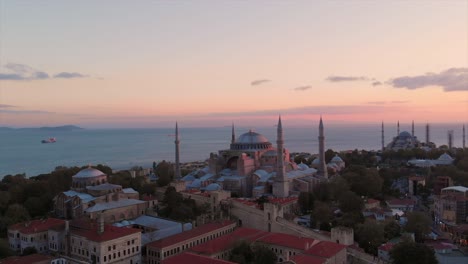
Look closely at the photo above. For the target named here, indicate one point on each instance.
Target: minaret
(428, 139)
(177, 158)
(281, 184)
(398, 128)
(383, 139)
(464, 137)
(322, 167)
(412, 129)
(233, 136)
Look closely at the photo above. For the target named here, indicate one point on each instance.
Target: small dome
(336, 159)
(302, 166)
(213, 187)
(125, 223)
(445, 156)
(252, 138)
(316, 161)
(88, 173)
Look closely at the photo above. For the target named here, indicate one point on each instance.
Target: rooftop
(90, 231)
(88, 173)
(325, 249)
(36, 226)
(307, 259)
(288, 241)
(406, 202)
(225, 242)
(456, 188)
(193, 259)
(190, 234)
(113, 204)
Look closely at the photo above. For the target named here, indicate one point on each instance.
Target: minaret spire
(281, 184)
(464, 137)
(233, 135)
(398, 128)
(177, 158)
(322, 167)
(412, 129)
(428, 139)
(383, 139)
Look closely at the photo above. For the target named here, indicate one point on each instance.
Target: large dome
(252, 137)
(88, 173)
(251, 141)
(405, 134)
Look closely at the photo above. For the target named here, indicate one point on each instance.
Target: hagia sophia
(253, 167)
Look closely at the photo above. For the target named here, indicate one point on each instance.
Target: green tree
(363, 181)
(263, 255)
(306, 202)
(419, 224)
(5, 250)
(29, 251)
(17, 213)
(370, 236)
(410, 253)
(321, 214)
(391, 229)
(242, 253)
(350, 202)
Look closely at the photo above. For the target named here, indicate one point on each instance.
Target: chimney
(183, 228)
(100, 224)
(67, 227)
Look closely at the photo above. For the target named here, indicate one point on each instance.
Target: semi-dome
(445, 157)
(89, 173)
(252, 137)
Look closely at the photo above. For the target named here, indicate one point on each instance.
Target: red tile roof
(168, 241)
(193, 259)
(325, 249)
(372, 201)
(288, 241)
(225, 242)
(110, 232)
(283, 201)
(307, 259)
(30, 259)
(36, 226)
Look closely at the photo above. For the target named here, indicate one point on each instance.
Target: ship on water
(49, 140)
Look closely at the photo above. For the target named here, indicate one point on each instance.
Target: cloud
(376, 83)
(259, 82)
(69, 75)
(400, 102)
(453, 79)
(386, 102)
(21, 72)
(377, 102)
(335, 78)
(6, 106)
(302, 88)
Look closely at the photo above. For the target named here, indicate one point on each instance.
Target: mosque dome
(316, 161)
(213, 187)
(251, 141)
(445, 157)
(88, 173)
(404, 134)
(252, 137)
(336, 159)
(302, 166)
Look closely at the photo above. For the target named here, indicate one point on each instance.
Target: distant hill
(57, 128)
(61, 128)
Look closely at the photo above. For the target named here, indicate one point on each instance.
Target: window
(113, 247)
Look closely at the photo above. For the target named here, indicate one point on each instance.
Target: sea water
(21, 151)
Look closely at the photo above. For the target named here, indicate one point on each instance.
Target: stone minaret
(177, 157)
(233, 136)
(412, 129)
(428, 139)
(383, 139)
(281, 184)
(463, 137)
(322, 170)
(398, 128)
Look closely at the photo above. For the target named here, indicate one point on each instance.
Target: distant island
(57, 128)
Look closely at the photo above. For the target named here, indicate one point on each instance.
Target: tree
(321, 213)
(5, 250)
(29, 251)
(370, 236)
(17, 213)
(306, 202)
(410, 252)
(391, 229)
(263, 255)
(363, 181)
(350, 202)
(337, 186)
(241, 253)
(419, 224)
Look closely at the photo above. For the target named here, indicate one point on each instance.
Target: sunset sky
(104, 64)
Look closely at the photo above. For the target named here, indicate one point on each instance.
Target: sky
(109, 64)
